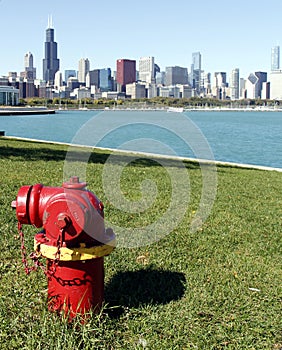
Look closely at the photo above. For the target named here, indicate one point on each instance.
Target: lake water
(241, 137)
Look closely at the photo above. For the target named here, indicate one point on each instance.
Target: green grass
(185, 291)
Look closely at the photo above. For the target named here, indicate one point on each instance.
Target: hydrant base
(75, 287)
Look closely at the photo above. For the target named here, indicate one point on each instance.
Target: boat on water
(175, 109)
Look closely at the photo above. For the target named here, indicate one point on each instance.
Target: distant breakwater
(26, 111)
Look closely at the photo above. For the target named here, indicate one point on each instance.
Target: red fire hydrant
(73, 240)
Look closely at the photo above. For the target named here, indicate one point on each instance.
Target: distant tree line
(156, 102)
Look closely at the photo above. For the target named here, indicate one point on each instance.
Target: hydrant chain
(34, 257)
(52, 270)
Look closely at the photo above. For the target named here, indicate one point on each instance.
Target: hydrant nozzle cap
(74, 179)
(74, 183)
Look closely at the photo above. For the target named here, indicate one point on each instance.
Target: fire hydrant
(73, 239)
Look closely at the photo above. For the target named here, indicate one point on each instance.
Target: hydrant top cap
(74, 183)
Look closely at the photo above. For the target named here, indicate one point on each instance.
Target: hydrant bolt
(63, 220)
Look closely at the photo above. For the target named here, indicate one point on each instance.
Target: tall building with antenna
(51, 63)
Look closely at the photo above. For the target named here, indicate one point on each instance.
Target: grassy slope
(190, 291)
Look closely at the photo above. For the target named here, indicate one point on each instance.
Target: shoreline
(156, 155)
(10, 111)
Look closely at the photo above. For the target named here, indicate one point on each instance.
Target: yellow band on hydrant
(74, 254)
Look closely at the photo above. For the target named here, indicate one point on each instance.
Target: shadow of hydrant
(145, 286)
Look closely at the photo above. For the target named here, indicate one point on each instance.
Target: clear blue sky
(228, 34)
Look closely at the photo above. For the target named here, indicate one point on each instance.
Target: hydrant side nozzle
(22, 203)
(34, 205)
(14, 204)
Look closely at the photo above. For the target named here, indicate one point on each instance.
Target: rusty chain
(35, 256)
(55, 263)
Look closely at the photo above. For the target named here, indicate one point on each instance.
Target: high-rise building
(196, 71)
(160, 78)
(242, 88)
(105, 80)
(220, 79)
(147, 69)
(93, 78)
(275, 79)
(83, 69)
(265, 91)
(234, 84)
(69, 73)
(219, 89)
(275, 58)
(254, 84)
(58, 80)
(51, 63)
(125, 74)
(157, 69)
(176, 75)
(29, 70)
(28, 60)
(207, 83)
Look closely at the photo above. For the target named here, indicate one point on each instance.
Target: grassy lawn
(217, 288)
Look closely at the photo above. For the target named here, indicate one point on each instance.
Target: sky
(227, 34)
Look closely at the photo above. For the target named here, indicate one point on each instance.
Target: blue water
(239, 137)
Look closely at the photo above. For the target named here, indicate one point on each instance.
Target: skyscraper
(254, 84)
(58, 81)
(28, 66)
(147, 69)
(126, 73)
(220, 85)
(28, 60)
(275, 79)
(105, 79)
(176, 75)
(196, 71)
(234, 84)
(93, 78)
(69, 73)
(207, 83)
(51, 63)
(220, 79)
(160, 78)
(83, 69)
(275, 58)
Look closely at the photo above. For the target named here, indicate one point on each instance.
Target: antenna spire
(50, 21)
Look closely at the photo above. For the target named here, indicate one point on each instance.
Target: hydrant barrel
(77, 287)
(73, 239)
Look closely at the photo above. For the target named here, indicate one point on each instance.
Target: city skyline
(169, 36)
